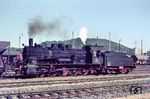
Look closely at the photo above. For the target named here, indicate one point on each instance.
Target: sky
(128, 20)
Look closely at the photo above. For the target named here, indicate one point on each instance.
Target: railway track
(141, 69)
(80, 92)
(90, 90)
(139, 96)
(69, 80)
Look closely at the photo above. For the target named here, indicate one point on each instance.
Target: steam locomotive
(63, 60)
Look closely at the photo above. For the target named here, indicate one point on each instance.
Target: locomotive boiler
(62, 60)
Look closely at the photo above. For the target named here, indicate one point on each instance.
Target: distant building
(10, 54)
(142, 59)
(1, 61)
(148, 53)
(4, 44)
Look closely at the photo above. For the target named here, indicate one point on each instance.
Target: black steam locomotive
(63, 60)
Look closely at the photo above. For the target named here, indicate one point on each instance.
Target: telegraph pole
(72, 39)
(119, 44)
(135, 44)
(19, 41)
(109, 41)
(20, 35)
(141, 46)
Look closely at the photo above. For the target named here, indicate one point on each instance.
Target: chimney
(30, 41)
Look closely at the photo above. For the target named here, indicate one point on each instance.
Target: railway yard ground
(135, 85)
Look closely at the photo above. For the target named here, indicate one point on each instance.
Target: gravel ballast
(72, 86)
(70, 78)
(139, 96)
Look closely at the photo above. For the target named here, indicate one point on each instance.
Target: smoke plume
(36, 26)
(58, 26)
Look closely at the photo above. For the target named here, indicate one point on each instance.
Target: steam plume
(83, 34)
